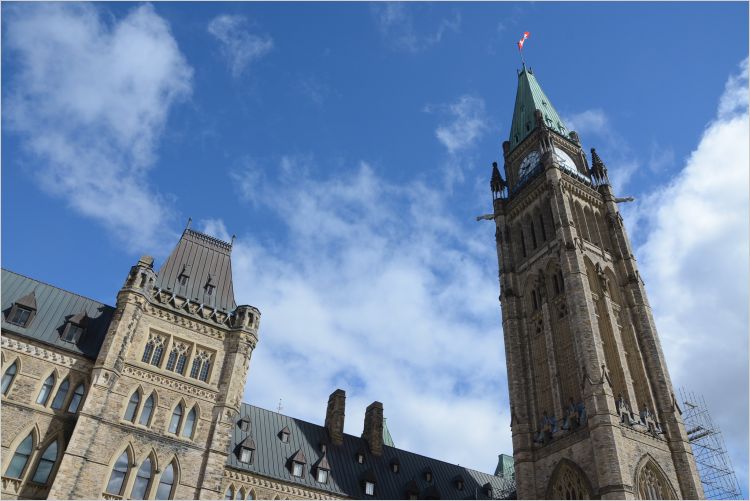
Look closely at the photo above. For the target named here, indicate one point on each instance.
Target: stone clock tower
(592, 405)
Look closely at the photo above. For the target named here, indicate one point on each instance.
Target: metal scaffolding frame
(711, 457)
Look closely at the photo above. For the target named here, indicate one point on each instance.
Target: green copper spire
(387, 440)
(530, 97)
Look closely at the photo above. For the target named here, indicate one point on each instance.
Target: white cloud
(594, 127)
(215, 228)
(90, 100)
(377, 289)
(468, 123)
(695, 265)
(396, 24)
(238, 45)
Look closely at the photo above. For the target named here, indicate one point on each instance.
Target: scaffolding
(714, 466)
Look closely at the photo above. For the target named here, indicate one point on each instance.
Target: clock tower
(593, 412)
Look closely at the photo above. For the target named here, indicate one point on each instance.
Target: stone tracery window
(567, 483)
(652, 484)
(154, 350)
(201, 366)
(177, 358)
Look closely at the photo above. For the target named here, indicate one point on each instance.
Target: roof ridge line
(56, 287)
(360, 438)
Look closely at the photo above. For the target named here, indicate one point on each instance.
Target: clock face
(565, 161)
(528, 163)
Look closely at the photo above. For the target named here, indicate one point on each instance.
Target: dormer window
(368, 482)
(395, 465)
(370, 488)
(322, 476)
(322, 469)
(74, 328)
(412, 490)
(247, 447)
(182, 279)
(488, 490)
(298, 464)
(244, 424)
(360, 458)
(20, 316)
(209, 287)
(459, 482)
(284, 435)
(428, 475)
(23, 310)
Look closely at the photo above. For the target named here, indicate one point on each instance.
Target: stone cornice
(44, 353)
(255, 480)
(165, 381)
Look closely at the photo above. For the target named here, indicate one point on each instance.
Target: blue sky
(348, 146)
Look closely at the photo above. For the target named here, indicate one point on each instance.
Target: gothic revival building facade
(593, 409)
(143, 400)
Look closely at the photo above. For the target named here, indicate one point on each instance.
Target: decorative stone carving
(168, 382)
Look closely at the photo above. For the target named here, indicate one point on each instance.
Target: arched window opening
(142, 481)
(75, 402)
(177, 358)
(240, 494)
(49, 383)
(201, 366)
(533, 234)
(148, 408)
(187, 430)
(62, 393)
(251, 495)
(119, 472)
(174, 423)
(166, 483)
(523, 242)
(568, 483)
(229, 494)
(534, 301)
(652, 484)
(541, 228)
(154, 350)
(9, 376)
(46, 463)
(132, 407)
(20, 458)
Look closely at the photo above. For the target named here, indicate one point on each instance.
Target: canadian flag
(522, 40)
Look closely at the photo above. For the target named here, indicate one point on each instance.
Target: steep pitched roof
(531, 97)
(55, 307)
(346, 475)
(204, 260)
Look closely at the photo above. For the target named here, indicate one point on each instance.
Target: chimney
(335, 416)
(373, 432)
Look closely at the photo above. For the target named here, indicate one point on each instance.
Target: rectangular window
(322, 476)
(297, 469)
(20, 316)
(72, 333)
(369, 488)
(246, 455)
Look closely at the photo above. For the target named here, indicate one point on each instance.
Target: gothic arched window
(154, 350)
(119, 472)
(132, 406)
(62, 392)
(230, 493)
(174, 423)
(46, 390)
(46, 463)
(201, 366)
(148, 408)
(568, 482)
(251, 495)
(142, 481)
(9, 376)
(177, 358)
(20, 458)
(76, 400)
(187, 430)
(166, 483)
(651, 482)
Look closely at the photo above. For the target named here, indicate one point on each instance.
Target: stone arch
(540, 391)
(580, 221)
(40, 449)
(569, 481)
(603, 230)
(528, 222)
(36, 435)
(128, 449)
(251, 494)
(650, 480)
(6, 366)
(55, 374)
(593, 228)
(521, 246)
(181, 422)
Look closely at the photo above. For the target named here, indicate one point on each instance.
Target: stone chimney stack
(335, 416)
(373, 432)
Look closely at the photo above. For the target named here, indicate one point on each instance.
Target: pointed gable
(531, 97)
(28, 301)
(200, 270)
